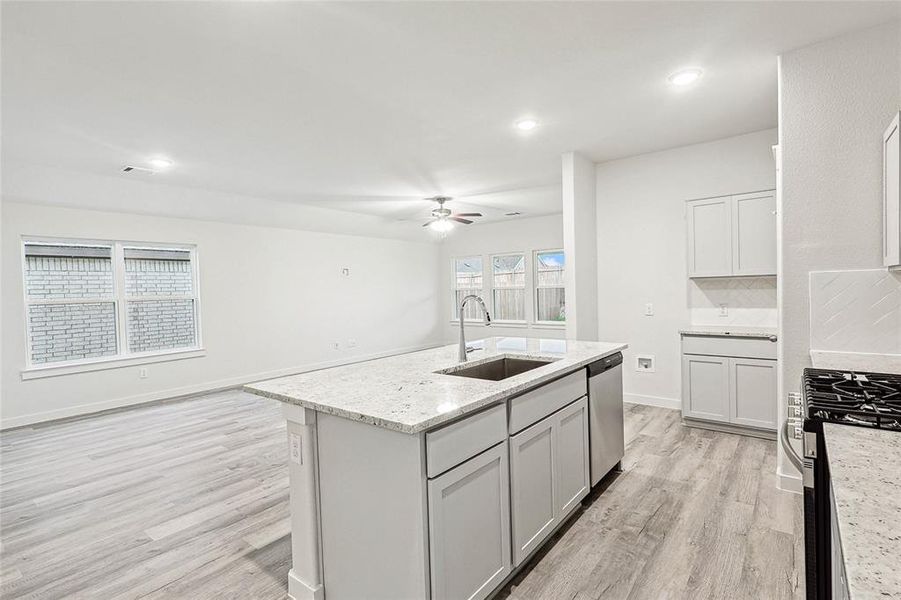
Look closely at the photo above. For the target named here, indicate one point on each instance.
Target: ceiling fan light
(441, 225)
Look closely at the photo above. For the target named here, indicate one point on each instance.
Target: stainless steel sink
(497, 369)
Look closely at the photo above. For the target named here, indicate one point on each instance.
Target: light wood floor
(189, 500)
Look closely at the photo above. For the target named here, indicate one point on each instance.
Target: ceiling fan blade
(429, 223)
(459, 220)
(467, 214)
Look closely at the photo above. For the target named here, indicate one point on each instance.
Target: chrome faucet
(462, 332)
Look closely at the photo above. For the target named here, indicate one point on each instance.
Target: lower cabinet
(738, 391)
(532, 464)
(548, 475)
(469, 527)
(705, 387)
(752, 392)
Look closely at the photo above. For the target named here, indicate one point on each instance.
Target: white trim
(535, 287)
(524, 287)
(789, 483)
(549, 325)
(119, 300)
(188, 390)
(658, 401)
(111, 362)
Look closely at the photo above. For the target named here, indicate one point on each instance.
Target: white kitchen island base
(419, 498)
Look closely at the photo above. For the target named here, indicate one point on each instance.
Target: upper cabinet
(891, 197)
(732, 236)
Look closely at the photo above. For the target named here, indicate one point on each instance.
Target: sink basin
(497, 369)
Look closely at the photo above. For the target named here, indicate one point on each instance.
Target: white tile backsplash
(855, 311)
(751, 301)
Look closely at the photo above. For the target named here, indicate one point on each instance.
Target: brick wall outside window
(160, 325)
(51, 277)
(145, 277)
(84, 330)
(72, 331)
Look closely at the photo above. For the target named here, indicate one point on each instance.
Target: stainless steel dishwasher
(605, 415)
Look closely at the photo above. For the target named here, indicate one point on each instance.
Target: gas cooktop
(854, 398)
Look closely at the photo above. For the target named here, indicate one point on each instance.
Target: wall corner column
(580, 246)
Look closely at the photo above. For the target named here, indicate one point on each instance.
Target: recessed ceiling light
(160, 163)
(441, 225)
(685, 77)
(526, 124)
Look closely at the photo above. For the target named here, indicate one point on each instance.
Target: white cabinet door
(469, 527)
(572, 456)
(705, 387)
(753, 392)
(754, 234)
(710, 237)
(532, 465)
(891, 195)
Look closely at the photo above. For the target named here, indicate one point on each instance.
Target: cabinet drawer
(533, 406)
(729, 346)
(449, 446)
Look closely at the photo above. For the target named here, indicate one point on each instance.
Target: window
(89, 302)
(509, 283)
(159, 299)
(467, 280)
(550, 300)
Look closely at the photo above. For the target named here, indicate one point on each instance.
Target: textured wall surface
(750, 301)
(257, 322)
(836, 98)
(642, 247)
(855, 311)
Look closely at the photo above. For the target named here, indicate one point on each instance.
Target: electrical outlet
(649, 310)
(345, 271)
(142, 373)
(724, 310)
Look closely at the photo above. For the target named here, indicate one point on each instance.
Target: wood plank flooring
(189, 499)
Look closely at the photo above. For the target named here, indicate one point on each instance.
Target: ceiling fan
(442, 218)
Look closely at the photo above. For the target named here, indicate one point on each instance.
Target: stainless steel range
(849, 398)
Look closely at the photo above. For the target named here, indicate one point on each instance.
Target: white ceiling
(369, 107)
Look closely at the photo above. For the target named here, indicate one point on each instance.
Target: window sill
(102, 364)
(549, 325)
(515, 324)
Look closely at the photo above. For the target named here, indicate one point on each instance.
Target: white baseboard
(789, 482)
(659, 401)
(190, 390)
(300, 590)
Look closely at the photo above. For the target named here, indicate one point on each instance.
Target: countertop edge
(858, 586)
(763, 335)
(442, 419)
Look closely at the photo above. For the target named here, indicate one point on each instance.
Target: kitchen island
(866, 506)
(414, 476)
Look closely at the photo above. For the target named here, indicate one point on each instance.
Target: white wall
(836, 98)
(273, 302)
(580, 245)
(642, 246)
(516, 235)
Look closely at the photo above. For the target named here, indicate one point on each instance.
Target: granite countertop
(865, 467)
(731, 331)
(404, 393)
(856, 361)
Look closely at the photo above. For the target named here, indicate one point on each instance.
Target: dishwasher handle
(605, 364)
